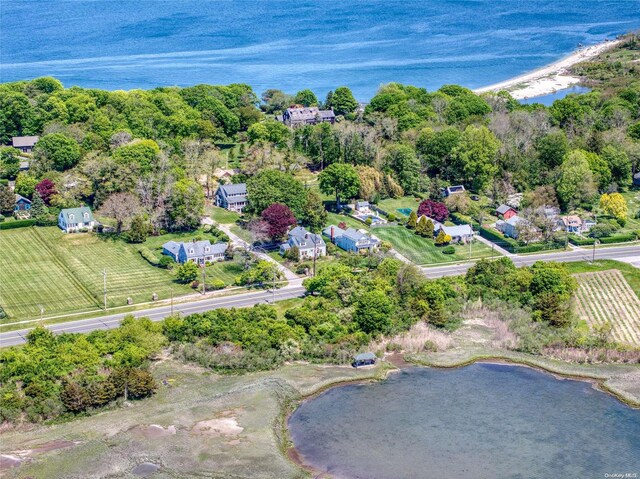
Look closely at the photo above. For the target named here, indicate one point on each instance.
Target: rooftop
(22, 141)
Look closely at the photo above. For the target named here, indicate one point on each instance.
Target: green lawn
(225, 270)
(241, 232)
(64, 273)
(421, 250)
(392, 205)
(335, 219)
(220, 215)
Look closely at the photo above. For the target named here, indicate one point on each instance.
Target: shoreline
(550, 78)
(293, 454)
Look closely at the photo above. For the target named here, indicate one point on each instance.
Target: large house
(505, 212)
(575, 224)
(199, 252)
(351, 239)
(24, 143)
(23, 206)
(232, 197)
(458, 233)
(309, 245)
(298, 116)
(72, 220)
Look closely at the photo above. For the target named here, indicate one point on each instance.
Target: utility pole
(593, 256)
(273, 291)
(204, 278)
(104, 289)
(171, 289)
(470, 239)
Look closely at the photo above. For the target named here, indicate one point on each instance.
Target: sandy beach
(550, 78)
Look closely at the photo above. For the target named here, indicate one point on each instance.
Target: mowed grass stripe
(31, 275)
(421, 250)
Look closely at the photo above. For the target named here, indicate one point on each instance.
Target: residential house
(362, 206)
(574, 224)
(232, 197)
(22, 207)
(199, 252)
(299, 116)
(453, 190)
(505, 212)
(72, 220)
(458, 233)
(551, 212)
(364, 359)
(224, 175)
(636, 179)
(309, 245)
(24, 143)
(509, 227)
(352, 239)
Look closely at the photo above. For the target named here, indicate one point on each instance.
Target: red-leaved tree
(278, 218)
(434, 210)
(46, 189)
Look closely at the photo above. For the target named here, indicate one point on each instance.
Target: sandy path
(550, 78)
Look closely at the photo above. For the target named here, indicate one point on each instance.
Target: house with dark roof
(199, 252)
(311, 115)
(24, 143)
(23, 206)
(72, 220)
(636, 179)
(505, 212)
(351, 239)
(309, 245)
(232, 197)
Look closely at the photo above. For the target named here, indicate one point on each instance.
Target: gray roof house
(309, 245)
(200, 252)
(298, 116)
(510, 227)
(453, 190)
(636, 179)
(232, 197)
(24, 143)
(72, 220)
(364, 359)
(351, 239)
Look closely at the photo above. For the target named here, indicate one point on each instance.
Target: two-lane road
(294, 290)
(12, 338)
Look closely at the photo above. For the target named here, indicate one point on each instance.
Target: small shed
(364, 359)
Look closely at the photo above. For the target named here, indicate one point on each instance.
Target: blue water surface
(548, 100)
(483, 421)
(292, 44)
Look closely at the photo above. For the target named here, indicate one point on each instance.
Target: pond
(480, 421)
(547, 100)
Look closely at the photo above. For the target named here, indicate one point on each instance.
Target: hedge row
(509, 244)
(9, 225)
(580, 241)
(623, 238)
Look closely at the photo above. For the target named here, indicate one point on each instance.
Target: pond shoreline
(294, 455)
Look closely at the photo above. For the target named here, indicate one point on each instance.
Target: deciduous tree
(279, 219)
(340, 179)
(121, 207)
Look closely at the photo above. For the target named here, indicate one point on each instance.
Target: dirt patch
(222, 426)
(145, 469)
(153, 431)
(7, 461)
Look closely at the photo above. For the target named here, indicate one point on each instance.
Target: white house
(71, 220)
(309, 245)
(199, 252)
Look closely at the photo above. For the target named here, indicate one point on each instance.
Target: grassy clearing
(335, 219)
(220, 215)
(241, 232)
(605, 296)
(421, 250)
(226, 271)
(392, 205)
(631, 274)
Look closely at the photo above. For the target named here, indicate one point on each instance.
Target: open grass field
(421, 250)
(605, 296)
(335, 219)
(391, 205)
(64, 273)
(220, 215)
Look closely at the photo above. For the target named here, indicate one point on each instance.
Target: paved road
(12, 338)
(621, 253)
(628, 254)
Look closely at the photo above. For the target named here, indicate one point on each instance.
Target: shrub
(165, 261)
(368, 221)
(216, 284)
(1, 218)
(448, 250)
(302, 268)
(391, 217)
(150, 256)
(17, 224)
(430, 347)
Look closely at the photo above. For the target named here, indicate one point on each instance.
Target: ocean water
(481, 421)
(295, 44)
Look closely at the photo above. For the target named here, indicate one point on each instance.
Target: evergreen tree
(428, 229)
(74, 397)
(38, 208)
(412, 221)
(421, 226)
